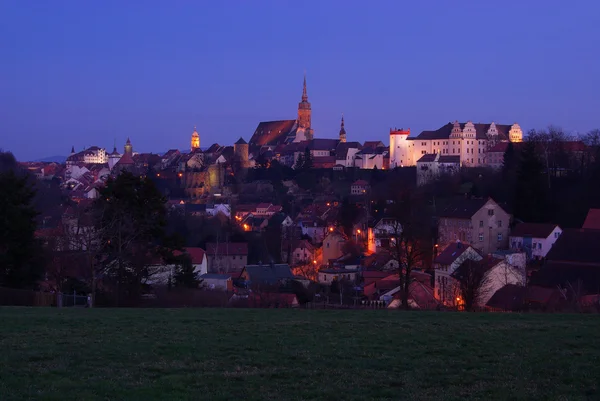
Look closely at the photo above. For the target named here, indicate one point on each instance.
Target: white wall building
(534, 239)
(468, 140)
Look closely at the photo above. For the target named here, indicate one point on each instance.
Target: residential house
(345, 153)
(301, 252)
(267, 276)
(314, 228)
(534, 239)
(360, 187)
(226, 257)
(573, 260)
(445, 287)
(517, 298)
(481, 222)
(382, 233)
(420, 293)
(165, 272)
(370, 158)
(217, 282)
(432, 166)
(498, 273)
(380, 261)
(327, 276)
(333, 243)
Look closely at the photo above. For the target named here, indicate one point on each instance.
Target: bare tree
(410, 239)
(473, 282)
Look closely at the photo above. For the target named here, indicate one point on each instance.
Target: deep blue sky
(86, 72)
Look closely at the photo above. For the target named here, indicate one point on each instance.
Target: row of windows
(481, 237)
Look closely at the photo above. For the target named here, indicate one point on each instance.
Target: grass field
(234, 354)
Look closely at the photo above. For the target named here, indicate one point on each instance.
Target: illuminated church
(273, 133)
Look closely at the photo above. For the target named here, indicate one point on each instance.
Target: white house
(431, 166)
(534, 239)
(379, 236)
(217, 282)
(164, 272)
(445, 288)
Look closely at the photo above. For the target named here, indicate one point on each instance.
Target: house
(573, 259)
(275, 275)
(360, 187)
(481, 222)
(217, 282)
(225, 257)
(517, 298)
(592, 220)
(497, 272)
(420, 292)
(333, 243)
(370, 157)
(345, 153)
(534, 239)
(380, 261)
(445, 287)
(380, 236)
(327, 276)
(432, 166)
(166, 272)
(313, 227)
(301, 252)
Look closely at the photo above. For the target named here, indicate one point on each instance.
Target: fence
(14, 297)
(70, 300)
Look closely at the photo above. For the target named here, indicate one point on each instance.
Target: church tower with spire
(342, 131)
(195, 142)
(304, 113)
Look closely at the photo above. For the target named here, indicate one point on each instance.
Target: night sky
(88, 72)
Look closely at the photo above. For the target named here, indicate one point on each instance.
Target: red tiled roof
(592, 221)
(196, 254)
(451, 253)
(272, 132)
(534, 230)
(231, 248)
(361, 183)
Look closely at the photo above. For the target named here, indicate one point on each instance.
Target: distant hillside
(53, 159)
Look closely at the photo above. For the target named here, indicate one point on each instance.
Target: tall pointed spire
(342, 130)
(304, 95)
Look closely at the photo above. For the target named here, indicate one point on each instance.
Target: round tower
(128, 148)
(195, 142)
(240, 149)
(400, 151)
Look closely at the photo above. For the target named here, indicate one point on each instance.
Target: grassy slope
(202, 354)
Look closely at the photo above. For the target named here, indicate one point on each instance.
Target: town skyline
(155, 76)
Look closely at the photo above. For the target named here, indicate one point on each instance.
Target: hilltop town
(286, 217)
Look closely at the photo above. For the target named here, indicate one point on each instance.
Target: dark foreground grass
(225, 354)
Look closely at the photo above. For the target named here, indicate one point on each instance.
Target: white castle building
(467, 140)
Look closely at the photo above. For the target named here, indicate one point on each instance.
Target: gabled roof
(373, 144)
(576, 246)
(451, 253)
(534, 230)
(463, 208)
(272, 132)
(196, 254)
(241, 141)
(341, 151)
(480, 132)
(592, 221)
(270, 274)
(486, 264)
(427, 158)
(227, 248)
(449, 159)
(215, 276)
(361, 183)
(323, 144)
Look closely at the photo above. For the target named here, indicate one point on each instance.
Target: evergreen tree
(20, 266)
(185, 275)
(299, 165)
(530, 190)
(131, 219)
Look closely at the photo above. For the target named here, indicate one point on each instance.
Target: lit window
(480, 237)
